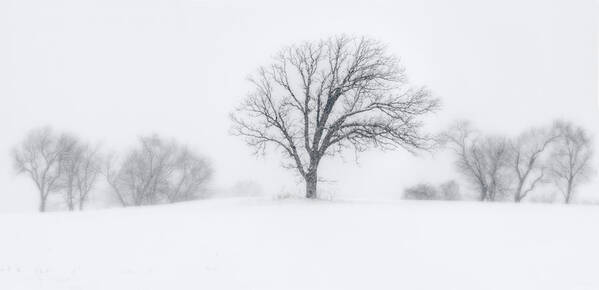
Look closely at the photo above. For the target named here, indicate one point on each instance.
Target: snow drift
(297, 244)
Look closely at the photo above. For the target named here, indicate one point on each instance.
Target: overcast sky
(112, 70)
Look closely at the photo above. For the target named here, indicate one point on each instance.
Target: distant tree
(81, 168)
(526, 159)
(450, 190)
(40, 156)
(571, 159)
(87, 174)
(423, 191)
(482, 160)
(69, 165)
(495, 161)
(320, 97)
(158, 171)
(188, 176)
(141, 175)
(461, 137)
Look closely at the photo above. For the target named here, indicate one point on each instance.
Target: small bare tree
(187, 176)
(81, 175)
(450, 190)
(526, 159)
(461, 138)
(69, 165)
(495, 154)
(320, 97)
(40, 156)
(571, 159)
(157, 172)
(88, 173)
(482, 160)
(141, 175)
(80, 168)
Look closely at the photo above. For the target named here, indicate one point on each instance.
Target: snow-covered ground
(297, 244)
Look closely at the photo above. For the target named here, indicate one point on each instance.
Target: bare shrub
(421, 191)
(449, 190)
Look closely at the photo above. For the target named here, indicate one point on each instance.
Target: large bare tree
(571, 159)
(527, 159)
(158, 171)
(318, 98)
(41, 156)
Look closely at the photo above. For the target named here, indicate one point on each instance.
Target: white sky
(111, 70)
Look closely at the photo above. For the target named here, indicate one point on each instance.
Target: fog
(111, 71)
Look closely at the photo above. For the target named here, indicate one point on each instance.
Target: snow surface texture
(296, 244)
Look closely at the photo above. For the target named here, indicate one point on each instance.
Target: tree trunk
(70, 198)
(70, 201)
(312, 178)
(484, 192)
(518, 195)
(483, 195)
(569, 193)
(42, 207)
(311, 182)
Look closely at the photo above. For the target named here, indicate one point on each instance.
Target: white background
(115, 69)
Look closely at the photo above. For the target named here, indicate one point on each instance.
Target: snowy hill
(296, 244)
